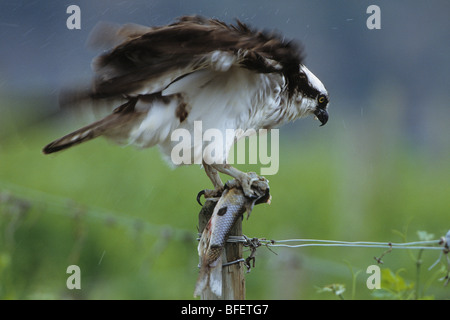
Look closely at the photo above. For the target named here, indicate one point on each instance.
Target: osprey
(196, 69)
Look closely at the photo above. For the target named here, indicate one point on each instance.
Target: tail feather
(119, 118)
(81, 135)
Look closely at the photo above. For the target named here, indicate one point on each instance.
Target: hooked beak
(322, 115)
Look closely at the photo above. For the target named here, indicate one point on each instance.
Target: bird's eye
(322, 100)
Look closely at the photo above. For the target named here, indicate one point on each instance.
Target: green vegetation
(129, 221)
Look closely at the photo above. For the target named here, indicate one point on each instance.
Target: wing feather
(150, 59)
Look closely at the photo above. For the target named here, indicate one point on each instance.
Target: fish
(231, 206)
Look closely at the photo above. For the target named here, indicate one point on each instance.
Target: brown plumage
(121, 117)
(151, 53)
(196, 70)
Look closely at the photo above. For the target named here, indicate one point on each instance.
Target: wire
(67, 207)
(98, 213)
(423, 245)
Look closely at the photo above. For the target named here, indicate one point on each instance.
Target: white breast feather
(235, 99)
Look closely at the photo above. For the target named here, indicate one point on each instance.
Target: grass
(129, 221)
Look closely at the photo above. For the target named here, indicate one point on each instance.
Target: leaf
(382, 294)
(393, 286)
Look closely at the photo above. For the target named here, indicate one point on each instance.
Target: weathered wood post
(226, 277)
(233, 280)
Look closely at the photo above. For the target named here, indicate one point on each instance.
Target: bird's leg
(213, 175)
(245, 179)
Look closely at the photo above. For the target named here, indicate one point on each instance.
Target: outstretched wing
(150, 59)
(150, 63)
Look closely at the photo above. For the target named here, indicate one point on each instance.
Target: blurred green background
(378, 171)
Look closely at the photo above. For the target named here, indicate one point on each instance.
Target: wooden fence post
(233, 280)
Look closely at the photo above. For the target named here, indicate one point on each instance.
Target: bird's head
(311, 97)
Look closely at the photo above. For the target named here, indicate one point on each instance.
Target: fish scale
(230, 207)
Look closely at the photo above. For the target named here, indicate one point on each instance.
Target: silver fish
(230, 207)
